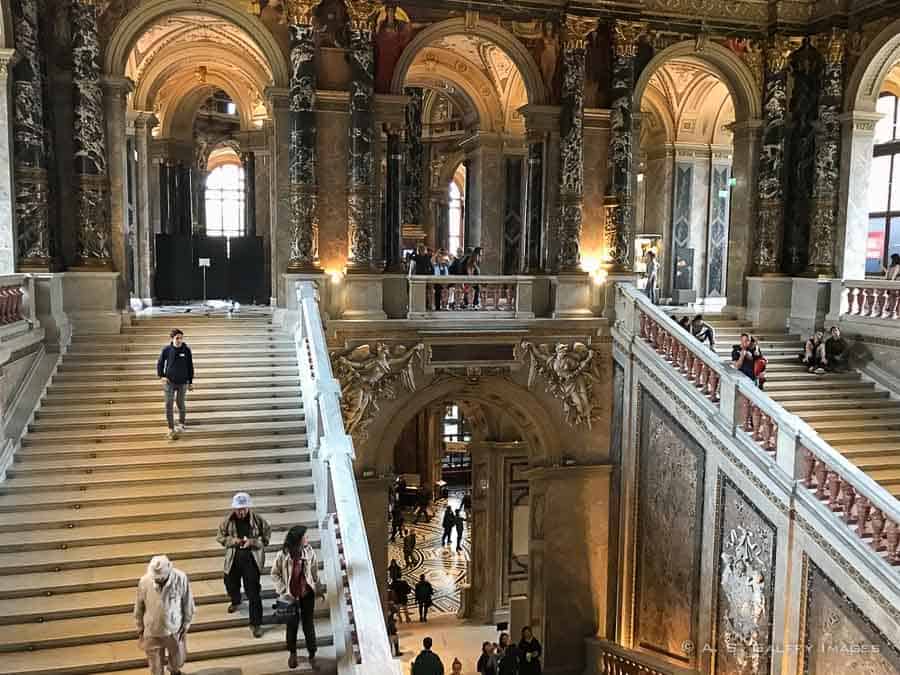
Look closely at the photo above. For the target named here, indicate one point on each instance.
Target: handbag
(285, 610)
(759, 366)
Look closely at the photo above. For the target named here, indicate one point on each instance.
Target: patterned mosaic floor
(444, 568)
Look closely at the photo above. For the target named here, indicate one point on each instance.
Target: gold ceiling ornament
(777, 53)
(362, 13)
(299, 12)
(836, 46)
(200, 73)
(577, 30)
(625, 37)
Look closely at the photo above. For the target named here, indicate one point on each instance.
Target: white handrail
(332, 445)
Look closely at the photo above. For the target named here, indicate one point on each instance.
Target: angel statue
(367, 377)
(569, 373)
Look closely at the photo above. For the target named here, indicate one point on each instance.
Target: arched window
(884, 188)
(225, 201)
(456, 224)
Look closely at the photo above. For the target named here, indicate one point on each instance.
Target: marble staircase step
(269, 663)
(149, 354)
(115, 496)
(213, 408)
(860, 437)
(100, 342)
(209, 615)
(200, 385)
(123, 654)
(133, 552)
(93, 465)
(856, 395)
(137, 477)
(141, 366)
(152, 432)
(134, 418)
(856, 419)
(167, 509)
(801, 376)
(819, 383)
(56, 397)
(817, 409)
(237, 371)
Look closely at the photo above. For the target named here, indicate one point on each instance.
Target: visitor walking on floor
(424, 595)
(163, 611)
(509, 656)
(448, 523)
(460, 523)
(652, 277)
(409, 547)
(396, 520)
(295, 574)
(487, 661)
(394, 571)
(175, 368)
(400, 590)
(530, 648)
(392, 633)
(245, 535)
(427, 662)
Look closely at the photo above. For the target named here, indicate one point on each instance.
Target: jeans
(244, 568)
(307, 609)
(176, 392)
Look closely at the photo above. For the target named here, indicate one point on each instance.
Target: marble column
(143, 127)
(571, 149)
(7, 115)
(304, 239)
(114, 103)
(742, 228)
(472, 228)
(248, 161)
(719, 213)
(619, 225)
(93, 249)
(361, 158)
(413, 160)
(394, 200)
(770, 186)
(534, 205)
(31, 198)
(827, 167)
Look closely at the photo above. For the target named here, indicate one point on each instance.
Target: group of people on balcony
(164, 607)
(466, 262)
(820, 355)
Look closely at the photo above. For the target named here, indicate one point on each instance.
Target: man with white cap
(245, 535)
(163, 612)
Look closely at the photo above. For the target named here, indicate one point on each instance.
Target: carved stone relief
(746, 574)
(839, 638)
(569, 373)
(669, 531)
(370, 374)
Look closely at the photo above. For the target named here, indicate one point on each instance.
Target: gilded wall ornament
(625, 37)
(362, 13)
(569, 373)
(577, 30)
(777, 53)
(299, 12)
(369, 375)
(743, 588)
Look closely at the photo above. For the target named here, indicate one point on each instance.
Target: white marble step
(122, 411)
(201, 384)
(140, 366)
(270, 663)
(149, 354)
(95, 419)
(95, 395)
(238, 371)
(850, 393)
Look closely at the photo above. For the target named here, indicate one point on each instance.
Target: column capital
(361, 13)
(144, 120)
(625, 36)
(859, 121)
(832, 45)
(117, 86)
(577, 30)
(778, 50)
(299, 12)
(8, 58)
(277, 97)
(746, 127)
(540, 118)
(390, 109)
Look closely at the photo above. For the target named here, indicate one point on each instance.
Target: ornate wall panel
(681, 227)
(719, 200)
(745, 563)
(669, 531)
(618, 415)
(838, 637)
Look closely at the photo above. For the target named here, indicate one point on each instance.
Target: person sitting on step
(837, 352)
(813, 353)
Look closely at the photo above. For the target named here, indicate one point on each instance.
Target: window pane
(225, 201)
(879, 181)
(875, 246)
(893, 238)
(895, 184)
(884, 128)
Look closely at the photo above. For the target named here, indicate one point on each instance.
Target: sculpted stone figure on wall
(368, 376)
(569, 373)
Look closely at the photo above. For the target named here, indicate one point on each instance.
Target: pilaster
(7, 197)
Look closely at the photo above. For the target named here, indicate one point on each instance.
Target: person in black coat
(175, 368)
(427, 662)
(424, 594)
(460, 523)
(530, 648)
(487, 662)
(394, 571)
(448, 523)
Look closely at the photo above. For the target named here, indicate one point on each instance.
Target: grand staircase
(850, 413)
(96, 490)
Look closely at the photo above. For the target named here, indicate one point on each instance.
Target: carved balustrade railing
(787, 445)
(361, 639)
(470, 296)
(865, 299)
(17, 299)
(611, 659)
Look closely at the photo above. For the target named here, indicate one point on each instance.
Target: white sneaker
(179, 428)
(172, 435)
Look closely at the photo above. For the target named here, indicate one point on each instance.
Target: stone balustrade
(865, 299)
(607, 658)
(796, 452)
(361, 640)
(464, 296)
(17, 299)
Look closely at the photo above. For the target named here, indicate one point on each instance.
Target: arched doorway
(869, 208)
(200, 77)
(731, 117)
(683, 204)
(474, 79)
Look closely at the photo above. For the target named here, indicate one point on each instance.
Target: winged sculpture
(369, 375)
(569, 373)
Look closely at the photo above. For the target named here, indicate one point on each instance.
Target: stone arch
(534, 422)
(531, 74)
(489, 114)
(734, 73)
(136, 22)
(882, 54)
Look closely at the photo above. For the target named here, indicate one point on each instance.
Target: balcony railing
(17, 301)
(361, 639)
(607, 658)
(471, 296)
(797, 452)
(865, 299)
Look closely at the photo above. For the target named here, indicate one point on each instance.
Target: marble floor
(444, 567)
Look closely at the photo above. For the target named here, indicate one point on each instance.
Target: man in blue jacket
(175, 368)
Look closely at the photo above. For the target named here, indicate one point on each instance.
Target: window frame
(888, 148)
(227, 197)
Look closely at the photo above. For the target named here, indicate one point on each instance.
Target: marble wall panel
(332, 148)
(683, 254)
(699, 219)
(670, 506)
(596, 148)
(839, 638)
(618, 415)
(717, 253)
(745, 563)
